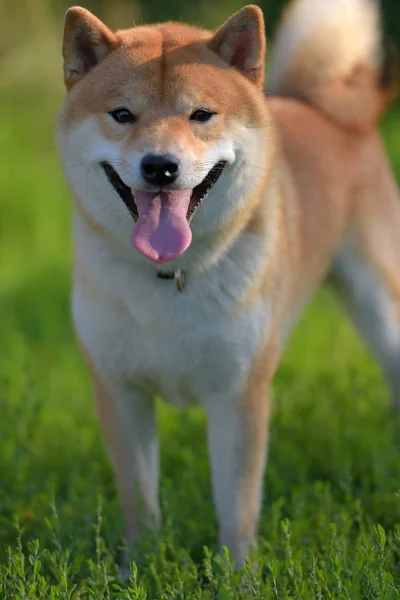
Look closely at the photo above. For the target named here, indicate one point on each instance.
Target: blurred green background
(332, 404)
(33, 16)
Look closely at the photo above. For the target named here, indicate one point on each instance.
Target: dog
(207, 213)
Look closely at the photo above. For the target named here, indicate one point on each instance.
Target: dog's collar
(178, 275)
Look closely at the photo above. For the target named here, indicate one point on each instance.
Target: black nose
(159, 169)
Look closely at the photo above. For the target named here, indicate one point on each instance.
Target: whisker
(260, 167)
(70, 167)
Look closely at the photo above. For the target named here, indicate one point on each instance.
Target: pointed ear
(86, 42)
(241, 43)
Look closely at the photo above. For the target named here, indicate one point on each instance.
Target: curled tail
(331, 55)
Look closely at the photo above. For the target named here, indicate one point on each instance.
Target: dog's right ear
(86, 42)
(241, 43)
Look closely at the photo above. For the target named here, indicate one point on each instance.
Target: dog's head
(167, 123)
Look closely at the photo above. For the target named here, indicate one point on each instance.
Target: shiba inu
(206, 215)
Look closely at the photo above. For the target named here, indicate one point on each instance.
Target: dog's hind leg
(367, 266)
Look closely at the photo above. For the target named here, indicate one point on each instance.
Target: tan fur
(307, 192)
(376, 224)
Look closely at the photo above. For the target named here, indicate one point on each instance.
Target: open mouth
(162, 218)
(199, 193)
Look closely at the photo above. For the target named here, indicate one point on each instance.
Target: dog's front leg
(237, 437)
(128, 422)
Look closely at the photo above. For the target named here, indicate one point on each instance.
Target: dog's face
(166, 123)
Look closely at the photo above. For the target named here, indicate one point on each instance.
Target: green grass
(330, 526)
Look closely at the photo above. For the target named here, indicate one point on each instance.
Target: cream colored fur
(332, 38)
(331, 55)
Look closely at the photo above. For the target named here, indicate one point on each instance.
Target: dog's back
(330, 79)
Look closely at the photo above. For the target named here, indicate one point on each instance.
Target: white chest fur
(194, 345)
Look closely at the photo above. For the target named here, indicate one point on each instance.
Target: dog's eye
(122, 115)
(201, 115)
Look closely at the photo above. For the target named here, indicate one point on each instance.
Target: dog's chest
(188, 346)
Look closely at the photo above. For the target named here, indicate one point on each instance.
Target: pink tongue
(162, 232)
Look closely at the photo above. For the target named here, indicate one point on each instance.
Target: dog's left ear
(241, 43)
